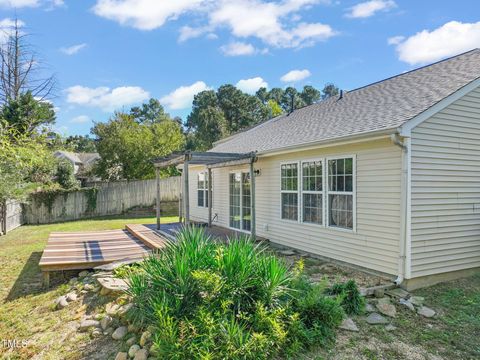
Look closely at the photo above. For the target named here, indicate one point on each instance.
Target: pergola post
(252, 199)
(157, 175)
(209, 196)
(186, 198)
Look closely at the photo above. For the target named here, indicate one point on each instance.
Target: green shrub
(210, 300)
(349, 294)
(65, 175)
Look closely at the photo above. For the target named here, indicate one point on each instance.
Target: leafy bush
(65, 175)
(212, 300)
(349, 294)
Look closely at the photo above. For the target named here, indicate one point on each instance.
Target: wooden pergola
(211, 160)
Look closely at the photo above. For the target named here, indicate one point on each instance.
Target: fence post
(3, 217)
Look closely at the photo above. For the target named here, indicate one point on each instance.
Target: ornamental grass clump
(233, 300)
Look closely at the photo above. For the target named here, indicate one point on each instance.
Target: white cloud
(369, 8)
(105, 98)
(275, 23)
(145, 14)
(250, 86)
(18, 3)
(71, 50)
(182, 97)
(238, 49)
(395, 40)
(265, 21)
(295, 75)
(450, 39)
(7, 25)
(81, 119)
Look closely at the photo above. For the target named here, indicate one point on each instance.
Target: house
(385, 177)
(82, 163)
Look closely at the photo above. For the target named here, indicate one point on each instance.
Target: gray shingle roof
(383, 105)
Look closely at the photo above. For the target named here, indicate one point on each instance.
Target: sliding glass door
(240, 201)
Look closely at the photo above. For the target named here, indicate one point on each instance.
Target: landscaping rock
(386, 308)
(376, 319)
(96, 332)
(145, 338)
(112, 285)
(83, 274)
(398, 293)
(89, 287)
(369, 308)
(379, 293)
(131, 341)
(390, 327)
(119, 333)
(109, 331)
(61, 302)
(71, 296)
(112, 309)
(425, 311)
(417, 300)
(407, 304)
(141, 354)
(121, 356)
(87, 324)
(349, 325)
(105, 322)
(124, 309)
(133, 350)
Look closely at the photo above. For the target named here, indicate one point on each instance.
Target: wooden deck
(147, 235)
(87, 249)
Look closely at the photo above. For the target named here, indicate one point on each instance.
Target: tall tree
(262, 95)
(206, 123)
(276, 94)
(21, 70)
(291, 100)
(149, 112)
(127, 147)
(80, 143)
(26, 115)
(329, 90)
(310, 95)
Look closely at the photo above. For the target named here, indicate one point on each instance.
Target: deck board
(84, 250)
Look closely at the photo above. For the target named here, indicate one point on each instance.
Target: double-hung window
(312, 192)
(340, 193)
(289, 191)
(202, 189)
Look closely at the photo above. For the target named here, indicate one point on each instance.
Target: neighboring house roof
(73, 157)
(383, 105)
(85, 161)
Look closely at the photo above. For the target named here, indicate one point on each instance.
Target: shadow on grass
(30, 281)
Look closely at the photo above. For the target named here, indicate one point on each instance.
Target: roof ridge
(416, 69)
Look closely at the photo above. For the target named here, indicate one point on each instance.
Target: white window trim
(241, 172)
(299, 214)
(322, 160)
(205, 189)
(353, 193)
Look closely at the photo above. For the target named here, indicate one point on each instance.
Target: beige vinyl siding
(374, 245)
(445, 182)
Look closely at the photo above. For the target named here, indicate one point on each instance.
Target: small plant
(351, 300)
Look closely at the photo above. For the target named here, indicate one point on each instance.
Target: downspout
(403, 219)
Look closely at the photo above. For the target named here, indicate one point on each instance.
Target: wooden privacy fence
(11, 215)
(102, 200)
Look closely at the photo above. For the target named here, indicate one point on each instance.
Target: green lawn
(25, 307)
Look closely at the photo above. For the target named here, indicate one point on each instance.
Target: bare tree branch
(20, 68)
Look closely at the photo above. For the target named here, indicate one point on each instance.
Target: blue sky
(112, 54)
